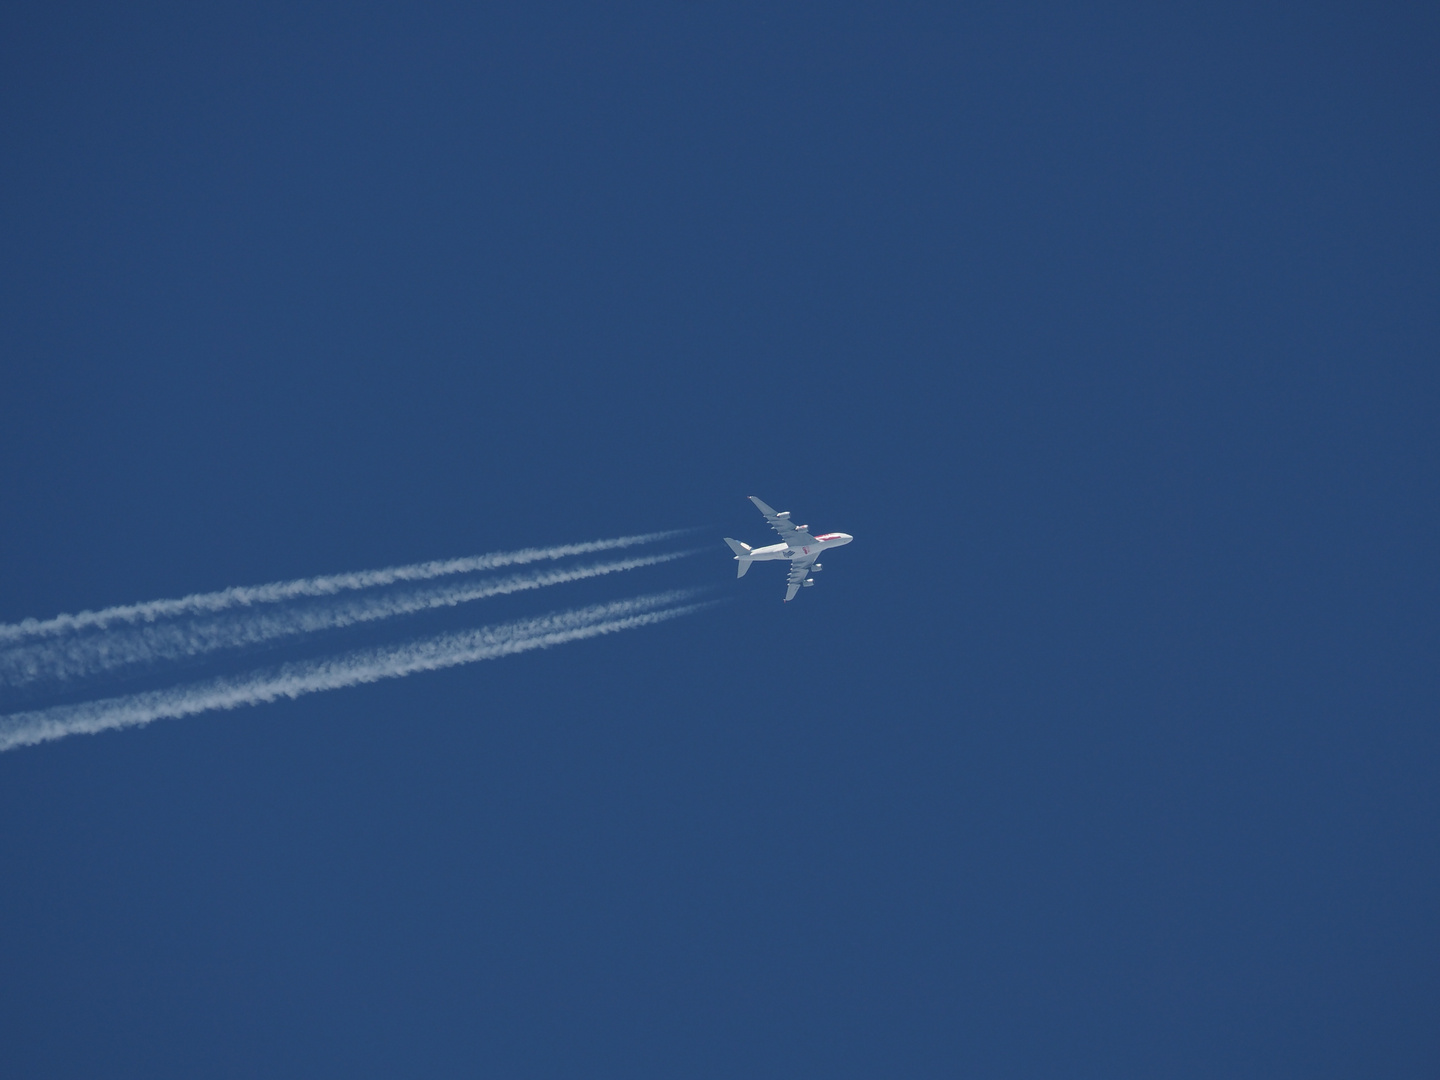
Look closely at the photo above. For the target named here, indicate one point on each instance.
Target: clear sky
(1109, 747)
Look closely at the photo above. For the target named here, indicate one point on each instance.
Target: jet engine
(808, 582)
(817, 567)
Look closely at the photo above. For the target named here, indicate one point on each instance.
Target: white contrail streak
(86, 655)
(244, 596)
(370, 665)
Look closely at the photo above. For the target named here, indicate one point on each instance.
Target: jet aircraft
(797, 545)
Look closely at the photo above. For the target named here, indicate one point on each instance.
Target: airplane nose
(845, 538)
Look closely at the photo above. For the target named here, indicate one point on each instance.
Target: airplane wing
(781, 524)
(799, 571)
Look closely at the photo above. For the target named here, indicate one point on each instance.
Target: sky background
(1108, 748)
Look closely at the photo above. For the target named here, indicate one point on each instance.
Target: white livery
(797, 545)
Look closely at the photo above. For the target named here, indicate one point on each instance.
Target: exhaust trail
(86, 655)
(352, 669)
(327, 585)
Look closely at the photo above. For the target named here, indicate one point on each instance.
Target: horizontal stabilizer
(742, 555)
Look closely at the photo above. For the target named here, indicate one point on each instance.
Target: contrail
(328, 585)
(93, 654)
(369, 665)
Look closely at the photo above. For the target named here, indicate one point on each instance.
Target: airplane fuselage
(800, 551)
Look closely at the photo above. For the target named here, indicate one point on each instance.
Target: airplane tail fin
(742, 555)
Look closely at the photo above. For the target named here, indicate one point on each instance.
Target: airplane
(797, 545)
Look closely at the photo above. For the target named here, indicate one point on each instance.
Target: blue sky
(1107, 748)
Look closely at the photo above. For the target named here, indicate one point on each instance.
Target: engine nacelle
(808, 582)
(816, 568)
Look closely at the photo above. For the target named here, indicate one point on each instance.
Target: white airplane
(797, 545)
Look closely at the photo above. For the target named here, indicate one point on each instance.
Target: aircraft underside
(798, 546)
